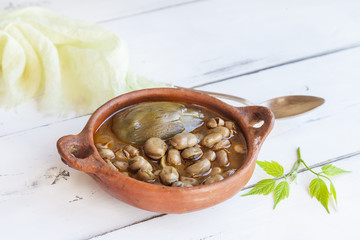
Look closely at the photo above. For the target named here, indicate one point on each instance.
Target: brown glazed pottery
(79, 152)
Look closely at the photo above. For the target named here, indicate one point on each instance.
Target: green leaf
(331, 170)
(264, 187)
(333, 192)
(282, 191)
(319, 189)
(272, 168)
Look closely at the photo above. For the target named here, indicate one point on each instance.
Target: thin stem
(324, 177)
(299, 153)
(309, 168)
(318, 174)
(295, 167)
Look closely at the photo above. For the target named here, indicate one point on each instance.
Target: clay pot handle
(76, 152)
(260, 120)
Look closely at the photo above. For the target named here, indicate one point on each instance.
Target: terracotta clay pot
(79, 152)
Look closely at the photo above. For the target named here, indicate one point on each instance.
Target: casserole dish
(79, 152)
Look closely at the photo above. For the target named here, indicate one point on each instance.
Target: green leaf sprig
(317, 187)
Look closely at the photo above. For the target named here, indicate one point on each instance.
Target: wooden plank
(231, 37)
(96, 11)
(31, 164)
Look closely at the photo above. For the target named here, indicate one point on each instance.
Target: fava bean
(209, 154)
(222, 158)
(215, 122)
(213, 179)
(139, 162)
(183, 140)
(168, 175)
(188, 180)
(122, 166)
(211, 139)
(173, 157)
(106, 153)
(230, 125)
(191, 153)
(215, 171)
(145, 175)
(155, 148)
(225, 132)
(239, 148)
(199, 168)
(228, 173)
(131, 151)
(121, 155)
(225, 143)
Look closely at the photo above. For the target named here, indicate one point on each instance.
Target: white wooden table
(253, 49)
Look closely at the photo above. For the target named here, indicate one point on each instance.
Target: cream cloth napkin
(65, 64)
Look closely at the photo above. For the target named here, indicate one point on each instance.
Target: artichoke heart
(163, 120)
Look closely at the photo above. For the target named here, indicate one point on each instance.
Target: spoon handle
(225, 96)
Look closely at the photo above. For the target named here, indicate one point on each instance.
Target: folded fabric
(64, 64)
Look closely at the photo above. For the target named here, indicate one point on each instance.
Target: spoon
(282, 107)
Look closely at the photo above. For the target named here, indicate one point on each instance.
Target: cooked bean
(121, 155)
(106, 153)
(139, 162)
(126, 173)
(191, 153)
(239, 148)
(209, 154)
(145, 175)
(213, 179)
(230, 125)
(181, 184)
(215, 122)
(211, 139)
(188, 180)
(163, 162)
(105, 141)
(131, 151)
(168, 175)
(174, 157)
(222, 158)
(100, 145)
(225, 132)
(199, 168)
(225, 143)
(155, 148)
(122, 166)
(215, 171)
(183, 140)
(229, 173)
(211, 123)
